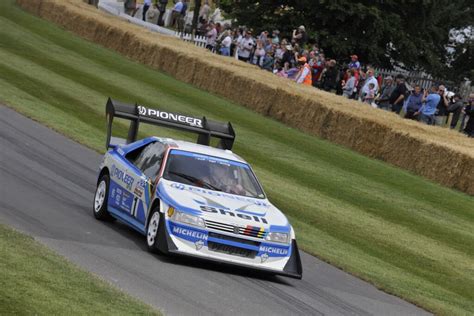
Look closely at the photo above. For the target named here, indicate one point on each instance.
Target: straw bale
(30, 6)
(436, 153)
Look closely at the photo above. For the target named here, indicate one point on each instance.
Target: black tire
(101, 213)
(155, 227)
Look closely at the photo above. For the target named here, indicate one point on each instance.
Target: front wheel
(153, 231)
(100, 199)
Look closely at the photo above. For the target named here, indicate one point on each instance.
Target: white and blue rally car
(191, 199)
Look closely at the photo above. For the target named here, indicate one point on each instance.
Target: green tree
(462, 60)
(385, 33)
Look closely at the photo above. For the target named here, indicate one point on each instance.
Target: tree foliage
(385, 33)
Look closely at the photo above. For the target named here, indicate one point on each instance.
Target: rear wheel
(153, 231)
(100, 199)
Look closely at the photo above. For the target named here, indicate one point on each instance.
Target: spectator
(360, 84)
(246, 45)
(442, 108)
(316, 49)
(176, 13)
(283, 71)
(428, 109)
(387, 89)
(216, 16)
(379, 78)
(330, 74)
(259, 53)
(146, 6)
(469, 129)
(204, 12)
(222, 31)
(296, 51)
(279, 51)
(414, 103)
(202, 28)
(398, 95)
(292, 72)
(218, 27)
(268, 45)
(130, 7)
(354, 64)
(276, 37)
(263, 36)
(237, 37)
(288, 55)
(369, 96)
(268, 61)
(182, 16)
(349, 86)
(370, 79)
(456, 109)
(152, 15)
(304, 73)
(161, 7)
(299, 36)
(225, 44)
(318, 69)
(211, 36)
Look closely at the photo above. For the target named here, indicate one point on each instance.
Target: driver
(221, 177)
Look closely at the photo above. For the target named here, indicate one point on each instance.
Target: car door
(121, 183)
(144, 170)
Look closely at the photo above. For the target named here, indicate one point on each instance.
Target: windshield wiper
(195, 180)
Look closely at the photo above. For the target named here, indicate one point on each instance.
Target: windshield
(212, 173)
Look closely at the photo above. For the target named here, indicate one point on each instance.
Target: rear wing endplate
(137, 114)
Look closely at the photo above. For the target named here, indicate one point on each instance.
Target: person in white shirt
(246, 46)
(370, 79)
(225, 44)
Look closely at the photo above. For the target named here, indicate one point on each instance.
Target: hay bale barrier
(435, 153)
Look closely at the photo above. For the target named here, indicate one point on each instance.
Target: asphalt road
(47, 185)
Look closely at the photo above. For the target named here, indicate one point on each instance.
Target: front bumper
(192, 241)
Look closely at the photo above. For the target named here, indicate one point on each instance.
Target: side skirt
(128, 220)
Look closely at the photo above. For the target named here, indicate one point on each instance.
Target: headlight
(278, 237)
(188, 219)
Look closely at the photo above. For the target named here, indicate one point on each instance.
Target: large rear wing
(137, 114)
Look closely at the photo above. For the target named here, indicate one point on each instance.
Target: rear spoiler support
(137, 114)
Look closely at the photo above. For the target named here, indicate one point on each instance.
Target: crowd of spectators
(293, 57)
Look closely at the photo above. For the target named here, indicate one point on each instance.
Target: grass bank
(36, 281)
(404, 234)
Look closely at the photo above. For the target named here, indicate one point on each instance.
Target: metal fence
(426, 81)
(423, 79)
